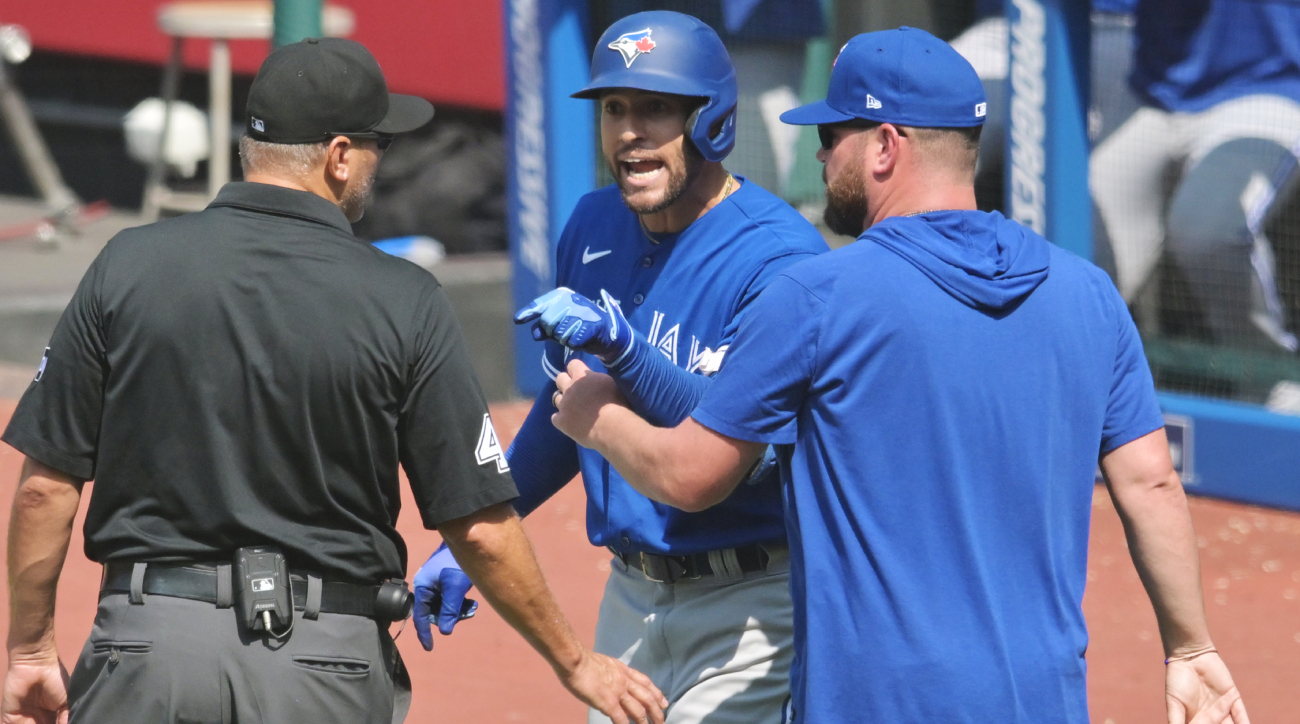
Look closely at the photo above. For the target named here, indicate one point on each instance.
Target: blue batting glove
(579, 323)
(440, 588)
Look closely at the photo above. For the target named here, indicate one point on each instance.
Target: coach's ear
(883, 149)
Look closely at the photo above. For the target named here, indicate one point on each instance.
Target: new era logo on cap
(258, 125)
(981, 109)
(872, 102)
(633, 45)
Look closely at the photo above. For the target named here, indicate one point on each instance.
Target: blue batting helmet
(668, 52)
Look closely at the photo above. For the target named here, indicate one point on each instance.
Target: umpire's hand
(618, 691)
(36, 689)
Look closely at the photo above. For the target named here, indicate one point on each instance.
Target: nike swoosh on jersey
(588, 257)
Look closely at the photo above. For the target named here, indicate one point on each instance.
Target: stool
(219, 22)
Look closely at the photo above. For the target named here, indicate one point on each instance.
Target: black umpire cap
(324, 87)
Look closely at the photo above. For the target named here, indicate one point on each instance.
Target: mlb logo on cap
(915, 79)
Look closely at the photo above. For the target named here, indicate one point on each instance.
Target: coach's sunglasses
(826, 131)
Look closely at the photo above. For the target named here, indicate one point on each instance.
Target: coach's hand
(1201, 691)
(616, 690)
(440, 588)
(581, 395)
(579, 323)
(35, 689)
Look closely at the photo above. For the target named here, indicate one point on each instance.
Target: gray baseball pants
(719, 647)
(177, 660)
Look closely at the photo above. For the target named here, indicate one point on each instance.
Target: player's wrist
(615, 356)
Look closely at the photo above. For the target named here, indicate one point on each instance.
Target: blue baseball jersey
(1193, 54)
(684, 293)
(940, 401)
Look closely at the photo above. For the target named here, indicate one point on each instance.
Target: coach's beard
(677, 182)
(846, 202)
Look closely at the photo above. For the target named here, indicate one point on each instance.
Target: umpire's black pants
(177, 660)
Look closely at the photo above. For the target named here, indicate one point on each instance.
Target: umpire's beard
(846, 202)
(357, 197)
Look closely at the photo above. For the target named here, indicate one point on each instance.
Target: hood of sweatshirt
(981, 258)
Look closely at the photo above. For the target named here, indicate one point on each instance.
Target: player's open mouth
(641, 169)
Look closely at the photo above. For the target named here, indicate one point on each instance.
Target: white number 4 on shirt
(489, 448)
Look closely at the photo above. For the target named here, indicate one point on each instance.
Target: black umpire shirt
(252, 374)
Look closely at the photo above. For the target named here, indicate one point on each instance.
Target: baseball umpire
(940, 392)
(241, 384)
(673, 252)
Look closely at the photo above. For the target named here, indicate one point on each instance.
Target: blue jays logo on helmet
(633, 45)
(682, 56)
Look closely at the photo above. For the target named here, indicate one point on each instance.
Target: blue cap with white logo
(905, 76)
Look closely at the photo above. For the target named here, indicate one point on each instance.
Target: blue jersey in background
(941, 391)
(1193, 54)
(684, 293)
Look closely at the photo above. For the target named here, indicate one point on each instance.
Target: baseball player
(1220, 83)
(655, 273)
(940, 393)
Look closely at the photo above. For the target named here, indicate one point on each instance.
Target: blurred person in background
(1219, 82)
(242, 383)
(655, 273)
(986, 46)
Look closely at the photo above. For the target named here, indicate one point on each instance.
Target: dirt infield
(484, 673)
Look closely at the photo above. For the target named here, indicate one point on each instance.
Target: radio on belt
(262, 581)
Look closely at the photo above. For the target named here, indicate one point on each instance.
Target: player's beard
(678, 182)
(357, 197)
(846, 201)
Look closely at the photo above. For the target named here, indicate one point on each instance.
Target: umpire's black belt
(670, 569)
(213, 584)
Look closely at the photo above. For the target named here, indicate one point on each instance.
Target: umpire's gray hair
(291, 160)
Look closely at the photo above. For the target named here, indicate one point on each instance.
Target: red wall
(449, 51)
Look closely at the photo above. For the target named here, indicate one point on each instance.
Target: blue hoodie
(939, 401)
(982, 259)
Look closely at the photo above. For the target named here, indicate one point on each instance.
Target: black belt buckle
(667, 569)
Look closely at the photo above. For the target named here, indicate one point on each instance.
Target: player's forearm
(542, 460)
(40, 527)
(660, 391)
(1153, 508)
(495, 553)
(669, 465)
